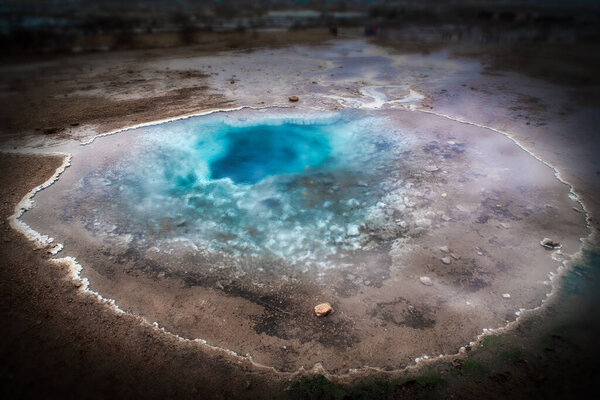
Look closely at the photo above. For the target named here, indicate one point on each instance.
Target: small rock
(455, 256)
(293, 98)
(446, 260)
(425, 280)
(462, 208)
(506, 295)
(323, 309)
(444, 194)
(444, 249)
(431, 168)
(504, 225)
(549, 243)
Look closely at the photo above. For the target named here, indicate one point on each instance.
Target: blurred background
(92, 25)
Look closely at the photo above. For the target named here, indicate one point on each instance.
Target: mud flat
(454, 250)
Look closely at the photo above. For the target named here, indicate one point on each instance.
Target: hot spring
(230, 227)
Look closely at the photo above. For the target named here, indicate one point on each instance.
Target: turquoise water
(583, 279)
(256, 152)
(303, 191)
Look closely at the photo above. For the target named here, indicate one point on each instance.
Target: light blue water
(300, 190)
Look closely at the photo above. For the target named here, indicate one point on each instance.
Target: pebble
(425, 280)
(446, 260)
(323, 309)
(431, 168)
(293, 98)
(549, 243)
(444, 249)
(506, 295)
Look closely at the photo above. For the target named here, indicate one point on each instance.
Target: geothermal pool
(421, 231)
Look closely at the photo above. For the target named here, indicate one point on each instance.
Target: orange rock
(294, 98)
(323, 309)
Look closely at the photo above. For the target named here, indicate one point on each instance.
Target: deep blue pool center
(252, 153)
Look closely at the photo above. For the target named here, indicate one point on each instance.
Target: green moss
(512, 354)
(490, 341)
(432, 379)
(472, 367)
(373, 389)
(527, 324)
(316, 388)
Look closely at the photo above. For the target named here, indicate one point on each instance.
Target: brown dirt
(57, 94)
(42, 106)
